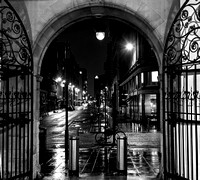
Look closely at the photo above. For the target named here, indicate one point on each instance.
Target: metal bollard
(122, 155)
(74, 156)
(1, 169)
(42, 137)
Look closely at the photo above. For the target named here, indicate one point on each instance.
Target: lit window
(136, 80)
(154, 76)
(142, 77)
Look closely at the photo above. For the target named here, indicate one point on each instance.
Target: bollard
(42, 144)
(42, 137)
(1, 169)
(73, 156)
(122, 155)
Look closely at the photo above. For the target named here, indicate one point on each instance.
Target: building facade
(137, 82)
(55, 80)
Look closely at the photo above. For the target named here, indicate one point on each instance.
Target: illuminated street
(95, 160)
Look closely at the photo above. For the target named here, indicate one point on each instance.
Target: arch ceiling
(59, 23)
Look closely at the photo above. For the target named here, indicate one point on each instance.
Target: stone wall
(39, 14)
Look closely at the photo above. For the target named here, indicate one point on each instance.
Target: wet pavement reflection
(97, 161)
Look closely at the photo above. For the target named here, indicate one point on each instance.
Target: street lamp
(58, 79)
(100, 35)
(63, 83)
(129, 46)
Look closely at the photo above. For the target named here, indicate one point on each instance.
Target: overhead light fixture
(100, 35)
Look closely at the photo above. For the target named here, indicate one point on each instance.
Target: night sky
(89, 52)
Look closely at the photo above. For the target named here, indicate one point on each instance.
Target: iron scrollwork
(14, 48)
(16, 96)
(183, 42)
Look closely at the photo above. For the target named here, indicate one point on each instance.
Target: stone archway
(60, 23)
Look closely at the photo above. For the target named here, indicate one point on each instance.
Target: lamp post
(98, 98)
(81, 86)
(114, 111)
(66, 124)
(105, 99)
(73, 96)
(106, 125)
(67, 56)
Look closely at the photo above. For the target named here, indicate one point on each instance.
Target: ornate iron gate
(182, 95)
(16, 97)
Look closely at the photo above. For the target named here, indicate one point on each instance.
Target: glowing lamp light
(129, 46)
(63, 83)
(58, 79)
(100, 35)
(77, 90)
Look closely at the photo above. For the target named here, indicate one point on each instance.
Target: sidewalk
(136, 136)
(143, 156)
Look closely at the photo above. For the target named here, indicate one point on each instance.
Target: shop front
(142, 102)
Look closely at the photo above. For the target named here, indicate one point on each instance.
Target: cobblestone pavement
(95, 161)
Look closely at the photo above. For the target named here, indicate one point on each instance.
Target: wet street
(96, 161)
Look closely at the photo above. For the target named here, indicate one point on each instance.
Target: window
(150, 104)
(136, 81)
(142, 78)
(154, 76)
